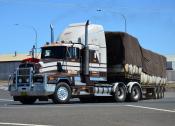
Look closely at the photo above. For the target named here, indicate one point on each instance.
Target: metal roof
(170, 57)
(12, 57)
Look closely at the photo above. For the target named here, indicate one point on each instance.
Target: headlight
(20, 80)
(27, 80)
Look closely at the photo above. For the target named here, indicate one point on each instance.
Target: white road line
(58, 106)
(6, 100)
(20, 124)
(156, 109)
(81, 105)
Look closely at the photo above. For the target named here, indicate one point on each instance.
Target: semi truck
(87, 62)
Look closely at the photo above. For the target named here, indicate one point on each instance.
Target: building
(170, 62)
(170, 68)
(8, 64)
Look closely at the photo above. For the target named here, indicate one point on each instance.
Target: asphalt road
(144, 113)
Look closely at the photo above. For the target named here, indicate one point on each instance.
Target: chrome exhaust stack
(85, 61)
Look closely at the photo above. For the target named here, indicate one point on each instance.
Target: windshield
(73, 52)
(60, 52)
(54, 52)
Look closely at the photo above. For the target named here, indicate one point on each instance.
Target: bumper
(33, 90)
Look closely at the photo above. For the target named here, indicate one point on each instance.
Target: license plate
(23, 93)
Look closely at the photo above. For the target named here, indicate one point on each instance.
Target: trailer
(131, 62)
(86, 63)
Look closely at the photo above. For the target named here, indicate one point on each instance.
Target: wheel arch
(131, 84)
(118, 84)
(64, 79)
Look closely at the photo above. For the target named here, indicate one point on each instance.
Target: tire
(26, 100)
(155, 93)
(120, 94)
(163, 92)
(158, 92)
(62, 93)
(135, 94)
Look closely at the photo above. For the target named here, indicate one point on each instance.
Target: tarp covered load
(153, 63)
(123, 48)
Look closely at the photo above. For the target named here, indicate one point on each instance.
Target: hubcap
(135, 93)
(120, 93)
(62, 93)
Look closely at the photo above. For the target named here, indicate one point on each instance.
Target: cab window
(93, 56)
(53, 52)
(73, 53)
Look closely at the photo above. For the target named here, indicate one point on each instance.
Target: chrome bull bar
(23, 76)
(18, 86)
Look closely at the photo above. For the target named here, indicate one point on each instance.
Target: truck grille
(23, 71)
(23, 76)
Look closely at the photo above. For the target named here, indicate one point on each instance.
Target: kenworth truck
(87, 63)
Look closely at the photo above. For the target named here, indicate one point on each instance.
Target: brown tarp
(153, 63)
(123, 48)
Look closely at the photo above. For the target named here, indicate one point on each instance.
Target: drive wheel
(135, 94)
(120, 94)
(162, 92)
(62, 93)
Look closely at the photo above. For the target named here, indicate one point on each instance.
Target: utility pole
(123, 16)
(36, 36)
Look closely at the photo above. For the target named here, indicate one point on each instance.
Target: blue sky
(151, 21)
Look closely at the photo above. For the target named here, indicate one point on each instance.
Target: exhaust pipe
(85, 61)
(86, 49)
(52, 33)
(86, 33)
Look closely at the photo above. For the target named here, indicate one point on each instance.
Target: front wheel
(120, 94)
(62, 93)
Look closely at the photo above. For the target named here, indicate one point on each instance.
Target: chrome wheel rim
(120, 93)
(62, 93)
(135, 93)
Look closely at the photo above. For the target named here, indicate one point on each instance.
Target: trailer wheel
(161, 92)
(26, 100)
(158, 92)
(135, 94)
(62, 93)
(155, 94)
(120, 94)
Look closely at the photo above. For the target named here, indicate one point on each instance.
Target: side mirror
(59, 67)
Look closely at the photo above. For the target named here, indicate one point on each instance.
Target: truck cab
(62, 62)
